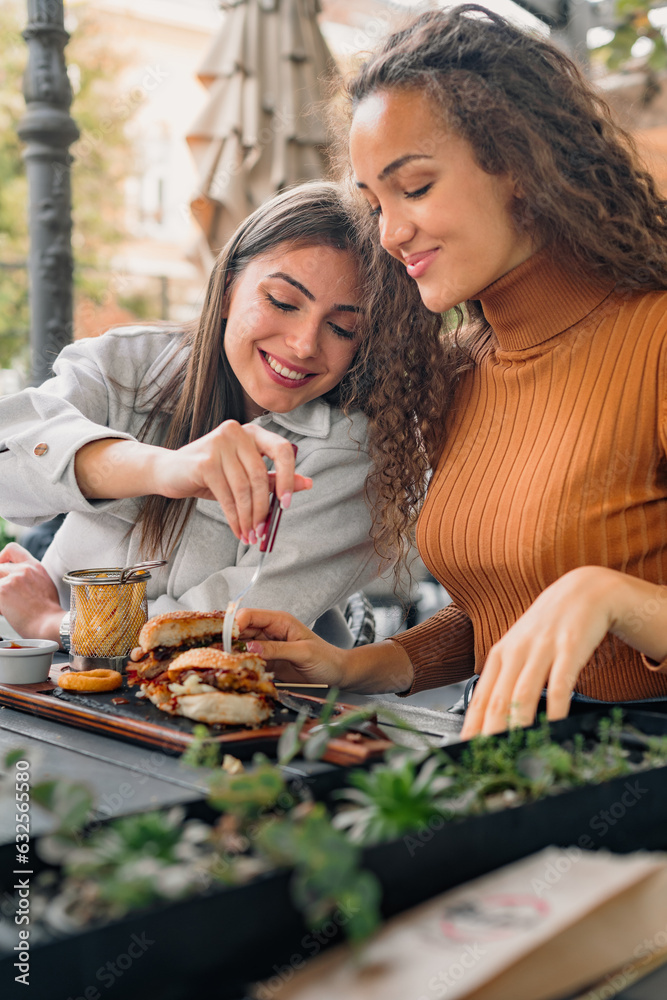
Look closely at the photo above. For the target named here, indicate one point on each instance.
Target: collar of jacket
(313, 419)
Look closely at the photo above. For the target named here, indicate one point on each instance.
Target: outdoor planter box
(625, 814)
(229, 936)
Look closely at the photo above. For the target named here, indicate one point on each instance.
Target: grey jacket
(323, 550)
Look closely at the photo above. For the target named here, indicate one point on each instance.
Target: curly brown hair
(527, 111)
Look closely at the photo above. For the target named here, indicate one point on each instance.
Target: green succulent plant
(403, 794)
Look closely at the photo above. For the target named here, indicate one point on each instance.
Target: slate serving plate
(121, 715)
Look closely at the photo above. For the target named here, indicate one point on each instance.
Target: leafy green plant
(327, 875)
(265, 823)
(634, 24)
(288, 832)
(13, 757)
(403, 794)
(136, 861)
(203, 751)
(312, 742)
(494, 772)
(70, 803)
(252, 793)
(128, 864)
(5, 534)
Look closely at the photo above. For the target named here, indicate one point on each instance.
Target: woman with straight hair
(154, 438)
(500, 186)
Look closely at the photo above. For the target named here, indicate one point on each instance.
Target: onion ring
(90, 680)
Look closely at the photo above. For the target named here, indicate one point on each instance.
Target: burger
(166, 636)
(182, 668)
(211, 686)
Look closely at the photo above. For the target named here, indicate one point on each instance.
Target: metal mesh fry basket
(106, 616)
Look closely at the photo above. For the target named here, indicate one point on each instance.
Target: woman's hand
(298, 655)
(554, 639)
(225, 465)
(295, 653)
(28, 596)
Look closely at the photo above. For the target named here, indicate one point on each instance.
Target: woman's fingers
(29, 599)
(562, 681)
(228, 465)
(258, 623)
(247, 480)
(15, 553)
(532, 680)
(292, 661)
(218, 486)
(508, 694)
(474, 717)
(281, 451)
(547, 647)
(293, 651)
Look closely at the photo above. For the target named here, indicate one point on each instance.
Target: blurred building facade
(164, 43)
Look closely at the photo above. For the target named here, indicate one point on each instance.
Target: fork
(265, 545)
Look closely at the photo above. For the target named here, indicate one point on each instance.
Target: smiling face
(291, 326)
(438, 212)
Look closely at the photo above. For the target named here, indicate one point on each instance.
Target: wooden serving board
(139, 721)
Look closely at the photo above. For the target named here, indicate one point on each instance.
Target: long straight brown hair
(203, 391)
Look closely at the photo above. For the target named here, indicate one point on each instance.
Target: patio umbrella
(266, 72)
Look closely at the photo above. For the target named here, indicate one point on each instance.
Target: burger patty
(245, 681)
(154, 662)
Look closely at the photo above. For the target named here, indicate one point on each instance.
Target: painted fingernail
(254, 647)
(244, 540)
(285, 500)
(252, 537)
(261, 529)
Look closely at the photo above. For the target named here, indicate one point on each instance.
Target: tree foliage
(13, 193)
(635, 25)
(102, 160)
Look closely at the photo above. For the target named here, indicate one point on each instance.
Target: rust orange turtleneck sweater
(555, 457)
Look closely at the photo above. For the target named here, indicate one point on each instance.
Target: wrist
(641, 618)
(153, 466)
(378, 668)
(342, 672)
(598, 587)
(48, 624)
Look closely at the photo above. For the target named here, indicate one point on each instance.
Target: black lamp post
(48, 131)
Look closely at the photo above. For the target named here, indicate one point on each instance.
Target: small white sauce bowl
(29, 664)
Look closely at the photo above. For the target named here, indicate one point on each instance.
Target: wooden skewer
(289, 684)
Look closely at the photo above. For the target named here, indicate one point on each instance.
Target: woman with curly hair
(502, 189)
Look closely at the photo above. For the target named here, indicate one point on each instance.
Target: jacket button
(40, 449)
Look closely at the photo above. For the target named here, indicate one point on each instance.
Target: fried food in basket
(107, 619)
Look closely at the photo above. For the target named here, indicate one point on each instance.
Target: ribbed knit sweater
(555, 457)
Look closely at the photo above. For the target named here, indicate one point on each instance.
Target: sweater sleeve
(441, 649)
